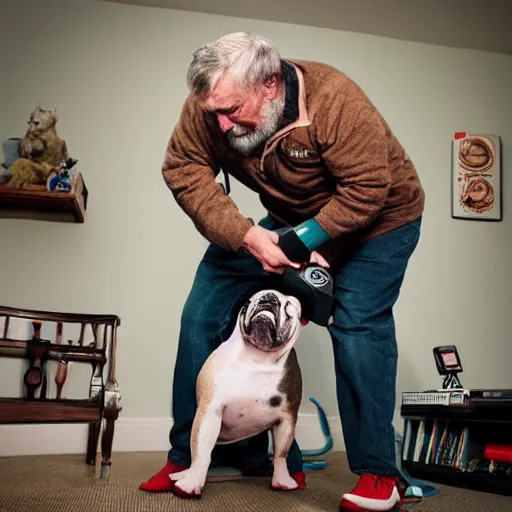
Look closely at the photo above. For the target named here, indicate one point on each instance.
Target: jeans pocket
(410, 232)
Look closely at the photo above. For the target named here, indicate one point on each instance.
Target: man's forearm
(298, 242)
(311, 234)
(354, 147)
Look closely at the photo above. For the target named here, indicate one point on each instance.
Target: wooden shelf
(39, 204)
(492, 483)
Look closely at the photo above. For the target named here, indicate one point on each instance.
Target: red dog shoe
(299, 477)
(161, 481)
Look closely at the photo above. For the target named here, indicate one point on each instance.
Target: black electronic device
(449, 365)
(292, 245)
(314, 288)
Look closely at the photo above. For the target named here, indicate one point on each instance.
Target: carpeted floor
(65, 484)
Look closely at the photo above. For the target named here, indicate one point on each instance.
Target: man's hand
(317, 258)
(263, 245)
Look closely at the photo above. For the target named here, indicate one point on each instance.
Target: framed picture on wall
(476, 177)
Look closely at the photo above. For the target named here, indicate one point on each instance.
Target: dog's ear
(243, 312)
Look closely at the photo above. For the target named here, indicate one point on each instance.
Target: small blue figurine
(60, 182)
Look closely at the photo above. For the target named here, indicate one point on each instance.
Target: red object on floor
(373, 493)
(347, 506)
(161, 481)
(498, 452)
(182, 494)
(350, 507)
(299, 477)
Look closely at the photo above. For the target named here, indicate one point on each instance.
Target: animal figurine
(41, 151)
(251, 383)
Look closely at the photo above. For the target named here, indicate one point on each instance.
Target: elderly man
(322, 159)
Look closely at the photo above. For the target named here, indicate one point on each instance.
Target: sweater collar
(295, 111)
(291, 93)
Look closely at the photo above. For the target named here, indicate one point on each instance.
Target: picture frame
(476, 192)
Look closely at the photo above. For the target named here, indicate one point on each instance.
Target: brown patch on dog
(283, 435)
(291, 385)
(205, 390)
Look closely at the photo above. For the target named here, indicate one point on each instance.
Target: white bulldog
(250, 383)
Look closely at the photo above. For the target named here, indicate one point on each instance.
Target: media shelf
(497, 484)
(447, 434)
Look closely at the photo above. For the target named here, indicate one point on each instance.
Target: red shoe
(299, 477)
(161, 481)
(373, 494)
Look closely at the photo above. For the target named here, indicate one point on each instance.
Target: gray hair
(247, 59)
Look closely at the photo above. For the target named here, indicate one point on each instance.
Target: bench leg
(107, 440)
(92, 442)
(110, 414)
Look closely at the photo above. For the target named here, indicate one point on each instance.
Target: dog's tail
(324, 424)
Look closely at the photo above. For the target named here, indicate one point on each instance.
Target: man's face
(247, 118)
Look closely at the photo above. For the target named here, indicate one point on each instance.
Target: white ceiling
(475, 24)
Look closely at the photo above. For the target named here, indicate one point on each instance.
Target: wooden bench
(94, 344)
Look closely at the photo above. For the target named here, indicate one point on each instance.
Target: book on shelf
(430, 441)
(450, 444)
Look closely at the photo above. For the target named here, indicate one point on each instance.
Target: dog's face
(270, 321)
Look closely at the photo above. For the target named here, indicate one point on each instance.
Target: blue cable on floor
(324, 424)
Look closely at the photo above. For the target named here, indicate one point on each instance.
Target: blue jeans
(367, 287)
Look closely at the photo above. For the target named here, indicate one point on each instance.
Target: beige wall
(117, 76)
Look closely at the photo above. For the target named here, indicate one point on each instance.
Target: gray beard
(244, 140)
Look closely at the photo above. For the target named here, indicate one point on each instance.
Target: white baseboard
(132, 435)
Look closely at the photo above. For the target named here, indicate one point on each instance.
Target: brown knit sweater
(337, 162)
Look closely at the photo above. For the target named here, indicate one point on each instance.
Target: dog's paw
(187, 484)
(179, 475)
(283, 483)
